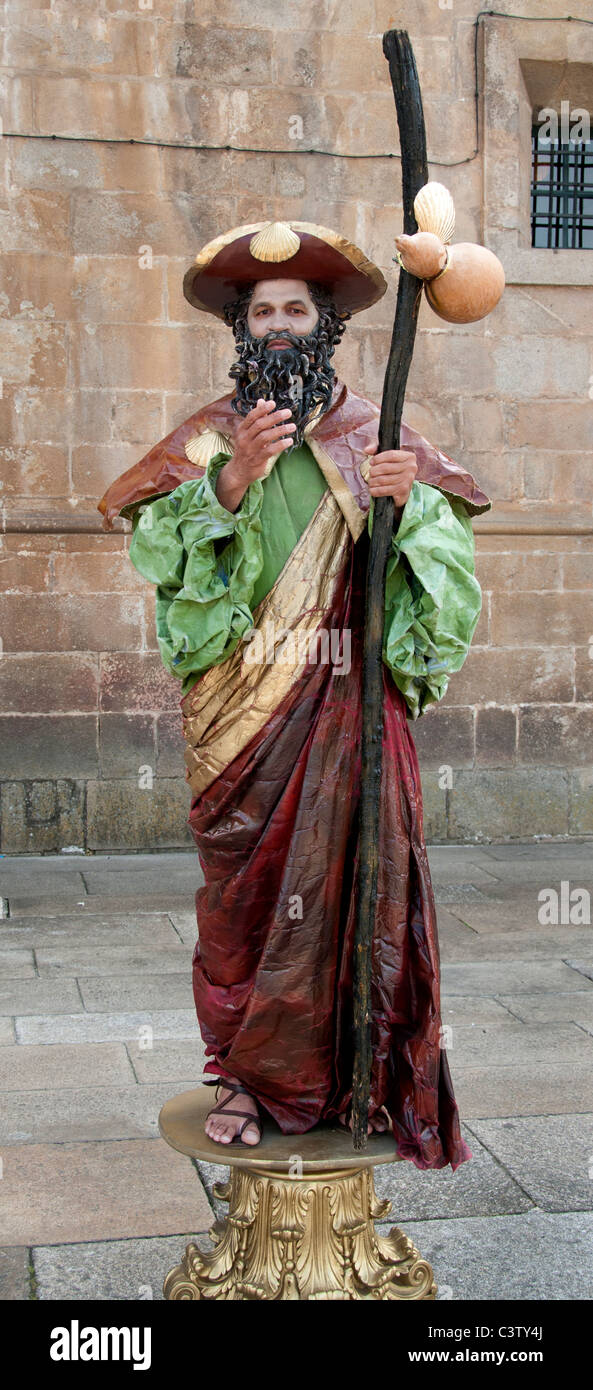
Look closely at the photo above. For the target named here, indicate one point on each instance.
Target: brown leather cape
(343, 431)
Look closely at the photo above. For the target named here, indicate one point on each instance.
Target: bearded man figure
(251, 518)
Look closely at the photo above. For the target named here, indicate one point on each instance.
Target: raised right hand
(263, 432)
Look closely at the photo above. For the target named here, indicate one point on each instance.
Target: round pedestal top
(182, 1119)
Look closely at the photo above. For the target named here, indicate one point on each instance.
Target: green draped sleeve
(432, 597)
(205, 562)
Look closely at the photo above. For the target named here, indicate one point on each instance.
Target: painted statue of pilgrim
(251, 519)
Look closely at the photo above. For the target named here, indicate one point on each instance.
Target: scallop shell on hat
(434, 210)
(275, 242)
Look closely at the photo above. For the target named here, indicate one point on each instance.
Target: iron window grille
(561, 193)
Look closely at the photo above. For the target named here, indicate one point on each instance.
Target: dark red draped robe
(277, 833)
(277, 836)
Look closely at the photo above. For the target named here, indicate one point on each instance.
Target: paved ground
(97, 1029)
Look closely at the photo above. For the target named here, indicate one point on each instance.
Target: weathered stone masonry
(100, 356)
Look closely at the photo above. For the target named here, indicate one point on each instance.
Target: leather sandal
(220, 1109)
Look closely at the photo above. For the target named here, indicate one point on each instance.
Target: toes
(222, 1129)
(217, 1131)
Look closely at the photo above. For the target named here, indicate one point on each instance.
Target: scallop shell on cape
(275, 242)
(434, 210)
(203, 447)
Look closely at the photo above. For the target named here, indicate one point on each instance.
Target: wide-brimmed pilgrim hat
(278, 250)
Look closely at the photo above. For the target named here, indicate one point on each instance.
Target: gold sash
(232, 702)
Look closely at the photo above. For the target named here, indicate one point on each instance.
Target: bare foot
(223, 1126)
(378, 1124)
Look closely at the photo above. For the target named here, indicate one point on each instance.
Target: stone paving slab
(98, 932)
(118, 1270)
(498, 921)
(122, 1027)
(541, 872)
(46, 881)
(116, 993)
(175, 861)
(522, 945)
(501, 895)
(169, 1060)
(459, 1010)
(40, 997)
(518, 915)
(491, 919)
(124, 863)
(186, 925)
(550, 1156)
(468, 870)
(462, 894)
(493, 1092)
(97, 1112)
(453, 934)
(147, 882)
(510, 1044)
(514, 977)
(7, 1033)
(115, 906)
(551, 1008)
(535, 1255)
(25, 865)
(58, 1193)
(51, 1068)
(479, 1187)
(17, 965)
(28, 868)
(554, 851)
(118, 960)
(465, 1254)
(63, 905)
(14, 1273)
(584, 967)
(447, 857)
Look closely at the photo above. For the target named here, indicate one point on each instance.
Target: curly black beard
(298, 377)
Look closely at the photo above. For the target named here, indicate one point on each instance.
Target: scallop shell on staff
(434, 210)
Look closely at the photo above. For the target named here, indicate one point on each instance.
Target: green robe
(213, 567)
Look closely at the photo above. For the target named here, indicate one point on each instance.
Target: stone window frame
(521, 62)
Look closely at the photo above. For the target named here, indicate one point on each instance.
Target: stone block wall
(100, 356)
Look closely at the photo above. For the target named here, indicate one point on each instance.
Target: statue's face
(285, 335)
(278, 305)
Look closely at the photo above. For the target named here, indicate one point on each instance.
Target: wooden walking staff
(472, 286)
(408, 102)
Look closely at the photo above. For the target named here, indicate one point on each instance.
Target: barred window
(561, 192)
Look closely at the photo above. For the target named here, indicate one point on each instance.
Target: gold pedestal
(301, 1219)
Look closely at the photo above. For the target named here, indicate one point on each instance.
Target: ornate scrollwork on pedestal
(291, 1238)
